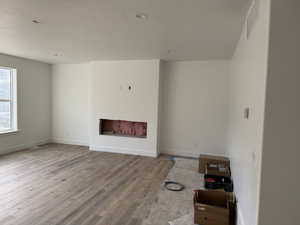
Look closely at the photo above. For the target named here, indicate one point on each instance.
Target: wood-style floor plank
(69, 185)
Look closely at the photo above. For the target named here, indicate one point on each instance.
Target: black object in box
(218, 182)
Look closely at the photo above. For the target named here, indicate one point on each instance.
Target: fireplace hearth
(123, 128)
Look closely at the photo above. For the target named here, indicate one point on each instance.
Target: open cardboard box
(204, 159)
(214, 207)
(218, 169)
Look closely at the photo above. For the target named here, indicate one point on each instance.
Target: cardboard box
(213, 207)
(218, 169)
(205, 159)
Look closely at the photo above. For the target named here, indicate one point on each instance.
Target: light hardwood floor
(69, 185)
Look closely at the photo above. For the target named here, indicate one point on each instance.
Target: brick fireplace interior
(123, 128)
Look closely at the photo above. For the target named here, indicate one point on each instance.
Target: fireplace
(123, 128)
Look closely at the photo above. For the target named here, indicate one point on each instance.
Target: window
(8, 100)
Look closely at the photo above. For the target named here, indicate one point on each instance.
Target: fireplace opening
(123, 128)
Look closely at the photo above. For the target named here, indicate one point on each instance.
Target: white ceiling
(74, 31)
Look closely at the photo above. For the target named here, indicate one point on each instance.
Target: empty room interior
(148, 112)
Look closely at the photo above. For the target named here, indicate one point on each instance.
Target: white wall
(194, 97)
(70, 104)
(34, 104)
(280, 198)
(110, 99)
(248, 81)
(194, 107)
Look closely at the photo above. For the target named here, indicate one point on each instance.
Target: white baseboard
(240, 217)
(69, 141)
(120, 150)
(21, 147)
(186, 153)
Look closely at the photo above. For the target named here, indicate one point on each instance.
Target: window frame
(12, 100)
